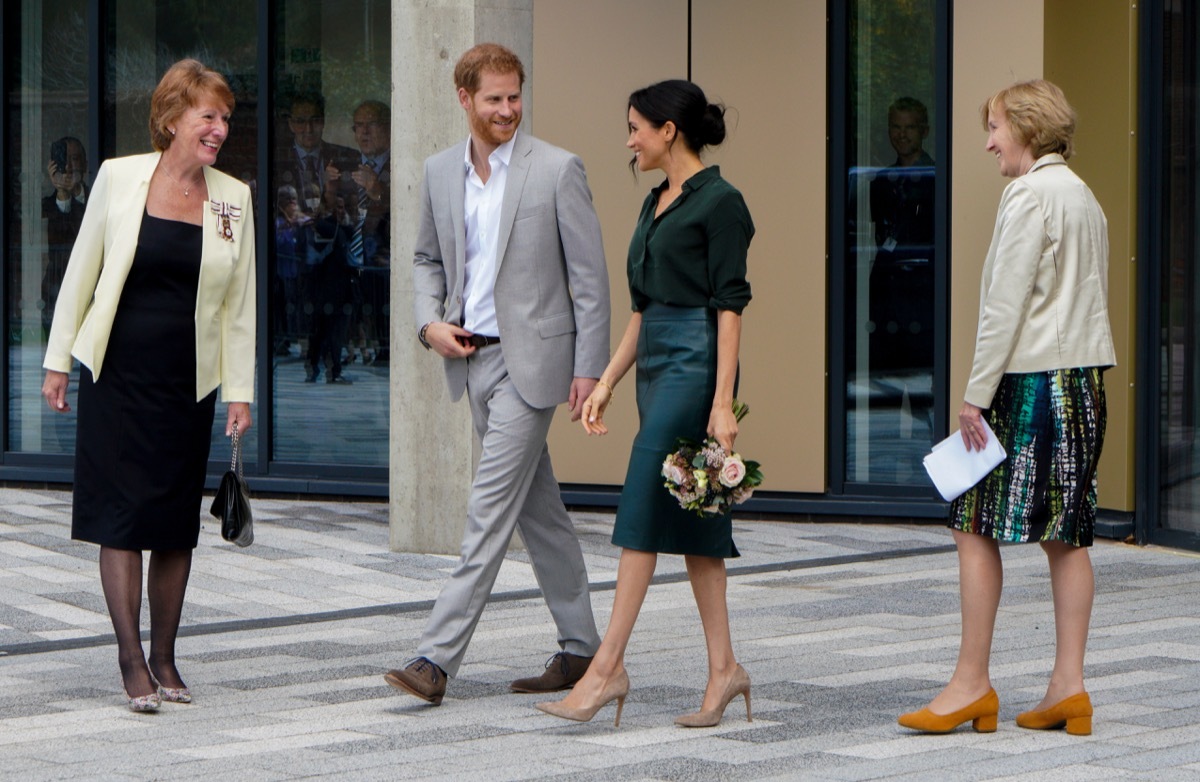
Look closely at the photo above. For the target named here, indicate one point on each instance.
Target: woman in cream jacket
(1042, 345)
(158, 306)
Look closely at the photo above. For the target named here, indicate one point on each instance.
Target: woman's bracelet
(611, 393)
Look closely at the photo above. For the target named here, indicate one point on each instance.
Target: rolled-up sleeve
(729, 233)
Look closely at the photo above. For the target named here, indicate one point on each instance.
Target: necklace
(186, 188)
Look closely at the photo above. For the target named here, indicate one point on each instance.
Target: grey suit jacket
(551, 290)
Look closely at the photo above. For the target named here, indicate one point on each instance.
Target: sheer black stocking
(165, 585)
(121, 579)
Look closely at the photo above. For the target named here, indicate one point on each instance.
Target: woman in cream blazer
(158, 306)
(1042, 345)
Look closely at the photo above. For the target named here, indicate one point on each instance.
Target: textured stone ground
(841, 626)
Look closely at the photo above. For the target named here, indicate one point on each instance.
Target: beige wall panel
(589, 56)
(994, 45)
(1091, 53)
(766, 59)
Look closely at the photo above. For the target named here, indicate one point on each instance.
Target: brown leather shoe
(562, 671)
(422, 678)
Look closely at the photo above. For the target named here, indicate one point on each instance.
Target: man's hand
(581, 389)
(366, 178)
(448, 340)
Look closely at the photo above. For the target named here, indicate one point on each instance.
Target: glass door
(330, 273)
(888, 260)
(1169, 411)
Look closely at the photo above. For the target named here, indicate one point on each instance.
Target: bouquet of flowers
(705, 479)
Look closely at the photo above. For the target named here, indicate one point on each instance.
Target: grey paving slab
(842, 627)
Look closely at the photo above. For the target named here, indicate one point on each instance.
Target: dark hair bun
(712, 127)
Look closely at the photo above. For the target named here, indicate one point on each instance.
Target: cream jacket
(103, 254)
(1043, 299)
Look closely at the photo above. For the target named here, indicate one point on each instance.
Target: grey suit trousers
(514, 487)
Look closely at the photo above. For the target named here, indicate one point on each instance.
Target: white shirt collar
(502, 153)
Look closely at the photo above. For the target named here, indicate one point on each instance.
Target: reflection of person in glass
(369, 189)
(901, 283)
(333, 279)
(292, 239)
(158, 306)
(305, 160)
(687, 279)
(1042, 345)
(63, 210)
(303, 164)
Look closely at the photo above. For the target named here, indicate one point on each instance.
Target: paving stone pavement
(842, 626)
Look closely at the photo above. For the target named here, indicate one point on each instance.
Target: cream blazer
(103, 254)
(1043, 299)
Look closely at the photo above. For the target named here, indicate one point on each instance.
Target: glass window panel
(330, 272)
(1179, 410)
(150, 35)
(889, 290)
(47, 189)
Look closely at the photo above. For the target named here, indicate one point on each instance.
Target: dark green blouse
(694, 253)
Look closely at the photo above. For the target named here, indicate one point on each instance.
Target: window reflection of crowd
(63, 212)
(332, 233)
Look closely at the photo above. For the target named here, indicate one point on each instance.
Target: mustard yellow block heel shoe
(983, 715)
(1073, 713)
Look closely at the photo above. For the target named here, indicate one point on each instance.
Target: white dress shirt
(482, 216)
(65, 206)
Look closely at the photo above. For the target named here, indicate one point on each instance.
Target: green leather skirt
(676, 380)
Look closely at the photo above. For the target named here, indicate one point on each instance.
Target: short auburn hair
(1038, 114)
(185, 84)
(492, 57)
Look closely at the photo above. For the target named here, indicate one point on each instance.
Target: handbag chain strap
(235, 463)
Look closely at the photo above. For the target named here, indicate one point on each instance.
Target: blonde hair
(1038, 114)
(185, 84)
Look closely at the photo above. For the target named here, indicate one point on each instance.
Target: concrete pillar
(432, 449)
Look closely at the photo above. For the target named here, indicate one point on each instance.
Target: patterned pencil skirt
(1051, 425)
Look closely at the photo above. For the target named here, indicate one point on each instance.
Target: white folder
(954, 469)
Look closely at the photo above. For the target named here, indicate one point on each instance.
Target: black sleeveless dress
(143, 440)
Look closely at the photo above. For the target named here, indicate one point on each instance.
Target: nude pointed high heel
(1073, 713)
(983, 715)
(616, 690)
(738, 685)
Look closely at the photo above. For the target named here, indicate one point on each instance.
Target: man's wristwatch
(421, 336)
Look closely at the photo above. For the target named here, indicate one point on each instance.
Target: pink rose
(673, 473)
(733, 471)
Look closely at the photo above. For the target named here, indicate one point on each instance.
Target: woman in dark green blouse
(687, 281)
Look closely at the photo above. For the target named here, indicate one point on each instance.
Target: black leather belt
(482, 341)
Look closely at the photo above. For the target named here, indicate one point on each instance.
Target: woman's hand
(54, 391)
(723, 425)
(594, 406)
(239, 412)
(970, 421)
